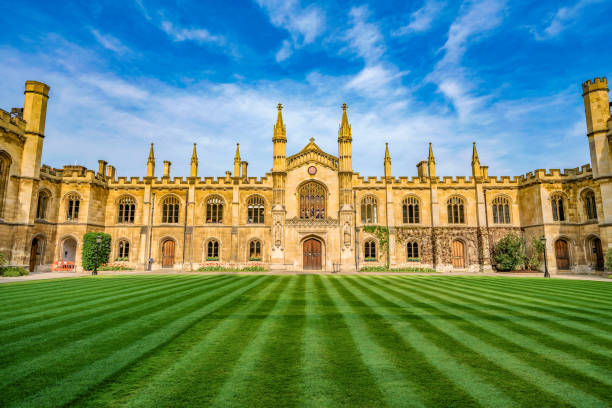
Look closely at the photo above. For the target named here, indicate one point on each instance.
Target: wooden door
(562, 254)
(33, 254)
(458, 254)
(597, 254)
(168, 254)
(312, 254)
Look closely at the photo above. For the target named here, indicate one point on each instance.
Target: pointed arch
(5, 167)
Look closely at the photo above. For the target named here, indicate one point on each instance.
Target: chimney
(110, 172)
(102, 167)
(167, 168)
(485, 172)
(244, 169)
(422, 170)
(228, 176)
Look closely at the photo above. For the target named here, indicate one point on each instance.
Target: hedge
(89, 249)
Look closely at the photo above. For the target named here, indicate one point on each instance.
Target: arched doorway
(458, 254)
(168, 248)
(36, 252)
(312, 254)
(597, 258)
(69, 247)
(562, 254)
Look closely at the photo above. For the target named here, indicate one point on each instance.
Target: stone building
(311, 212)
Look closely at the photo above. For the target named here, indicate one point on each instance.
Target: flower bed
(115, 266)
(400, 269)
(232, 267)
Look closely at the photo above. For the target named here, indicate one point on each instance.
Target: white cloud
(304, 24)
(422, 19)
(364, 38)
(199, 35)
(562, 19)
(110, 43)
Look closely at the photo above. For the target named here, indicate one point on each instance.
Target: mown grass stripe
(553, 360)
(48, 319)
(98, 344)
(557, 333)
(571, 289)
(80, 381)
(397, 390)
(73, 326)
(440, 358)
(498, 356)
(191, 368)
(29, 290)
(236, 390)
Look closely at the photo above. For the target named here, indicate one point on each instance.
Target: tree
(509, 252)
(537, 249)
(90, 248)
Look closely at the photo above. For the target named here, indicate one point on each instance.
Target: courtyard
(305, 340)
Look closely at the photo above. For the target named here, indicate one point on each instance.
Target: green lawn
(306, 340)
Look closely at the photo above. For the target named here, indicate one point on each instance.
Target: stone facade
(309, 212)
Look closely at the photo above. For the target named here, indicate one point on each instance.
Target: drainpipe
(151, 232)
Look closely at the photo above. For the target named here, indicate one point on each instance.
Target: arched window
(41, 205)
(72, 206)
(369, 210)
(412, 251)
(501, 210)
(255, 251)
(212, 250)
(170, 210)
(127, 209)
(123, 251)
(370, 250)
(214, 210)
(312, 201)
(5, 164)
(410, 210)
(255, 210)
(590, 208)
(455, 210)
(558, 210)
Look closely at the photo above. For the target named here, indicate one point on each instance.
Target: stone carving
(311, 222)
(347, 234)
(278, 234)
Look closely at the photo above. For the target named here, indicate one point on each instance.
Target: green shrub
(90, 249)
(609, 259)
(509, 252)
(401, 269)
(114, 268)
(537, 249)
(219, 268)
(3, 260)
(13, 271)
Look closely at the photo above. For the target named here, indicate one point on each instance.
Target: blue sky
(505, 74)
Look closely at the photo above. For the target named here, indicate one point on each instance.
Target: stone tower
(279, 179)
(345, 162)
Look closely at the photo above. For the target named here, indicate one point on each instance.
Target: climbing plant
(382, 233)
(90, 248)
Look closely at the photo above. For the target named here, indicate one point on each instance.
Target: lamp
(546, 274)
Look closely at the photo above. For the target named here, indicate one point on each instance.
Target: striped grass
(305, 340)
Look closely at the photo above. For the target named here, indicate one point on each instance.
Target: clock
(312, 170)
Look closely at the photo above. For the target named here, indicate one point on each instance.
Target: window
(413, 251)
(73, 202)
(455, 210)
(123, 251)
(370, 251)
(170, 210)
(590, 206)
(369, 211)
(127, 208)
(410, 210)
(212, 250)
(312, 201)
(255, 210)
(41, 205)
(501, 210)
(214, 210)
(558, 211)
(255, 251)
(5, 164)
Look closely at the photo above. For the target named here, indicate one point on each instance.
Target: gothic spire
(194, 155)
(279, 128)
(151, 154)
(345, 129)
(237, 157)
(474, 154)
(387, 156)
(431, 155)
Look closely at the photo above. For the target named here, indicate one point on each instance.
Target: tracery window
(123, 250)
(558, 210)
(590, 206)
(412, 251)
(73, 203)
(501, 210)
(255, 251)
(369, 250)
(214, 210)
(127, 209)
(455, 208)
(369, 210)
(170, 210)
(4, 171)
(312, 201)
(410, 210)
(255, 210)
(41, 205)
(212, 250)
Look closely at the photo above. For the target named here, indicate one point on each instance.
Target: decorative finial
(312, 140)
(280, 106)
(344, 106)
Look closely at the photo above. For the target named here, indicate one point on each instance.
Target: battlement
(595, 84)
(542, 174)
(13, 119)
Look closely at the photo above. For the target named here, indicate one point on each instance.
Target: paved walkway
(60, 275)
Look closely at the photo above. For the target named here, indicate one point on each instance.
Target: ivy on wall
(90, 249)
(382, 234)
